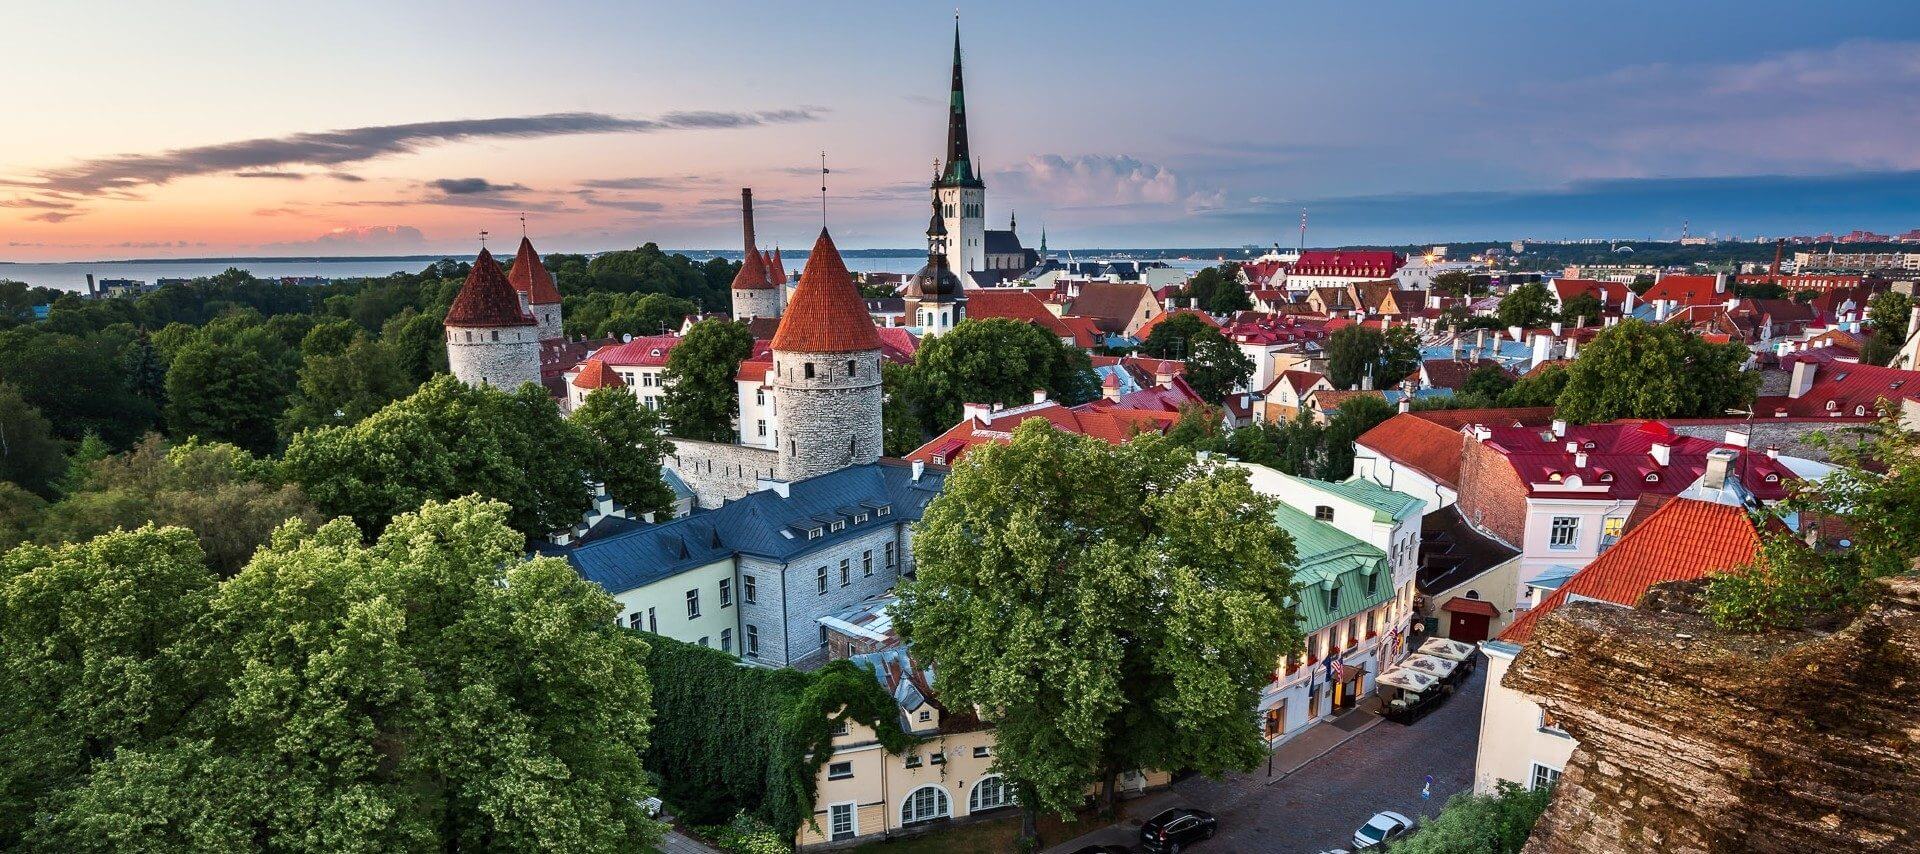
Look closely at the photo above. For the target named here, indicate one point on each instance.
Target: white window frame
(1539, 770)
(973, 795)
(693, 604)
(753, 641)
(726, 592)
(835, 775)
(942, 805)
(1571, 529)
(750, 589)
(853, 821)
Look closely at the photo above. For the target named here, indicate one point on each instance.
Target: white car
(1384, 827)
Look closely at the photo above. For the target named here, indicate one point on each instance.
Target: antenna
(483, 240)
(1303, 232)
(823, 188)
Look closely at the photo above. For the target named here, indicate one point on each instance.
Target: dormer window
(1588, 445)
(839, 524)
(1333, 600)
(857, 519)
(1653, 477)
(1323, 513)
(884, 510)
(814, 533)
(1606, 477)
(1859, 410)
(1833, 405)
(1773, 478)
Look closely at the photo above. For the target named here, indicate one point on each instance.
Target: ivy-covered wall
(729, 738)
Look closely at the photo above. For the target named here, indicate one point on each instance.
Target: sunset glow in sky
(350, 128)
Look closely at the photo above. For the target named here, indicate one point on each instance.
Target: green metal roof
(1388, 505)
(1327, 558)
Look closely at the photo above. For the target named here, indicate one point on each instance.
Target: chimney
(1803, 371)
(1773, 452)
(1913, 319)
(1719, 464)
(94, 292)
(1662, 452)
(1737, 438)
(1660, 309)
(1719, 283)
(1580, 459)
(1573, 348)
(1542, 348)
(1039, 395)
(975, 411)
(1406, 402)
(746, 217)
(1559, 428)
(1557, 328)
(1481, 433)
(919, 468)
(1626, 301)
(1163, 374)
(1457, 342)
(1518, 333)
(1479, 339)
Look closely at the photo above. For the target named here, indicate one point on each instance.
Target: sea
(72, 275)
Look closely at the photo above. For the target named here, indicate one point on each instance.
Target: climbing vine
(730, 738)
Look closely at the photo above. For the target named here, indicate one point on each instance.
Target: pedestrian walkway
(676, 843)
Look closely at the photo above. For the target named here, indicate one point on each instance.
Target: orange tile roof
(1683, 540)
(777, 271)
(1430, 442)
(596, 374)
(753, 273)
(1014, 304)
(531, 277)
(826, 314)
(1684, 290)
(1107, 424)
(486, 298)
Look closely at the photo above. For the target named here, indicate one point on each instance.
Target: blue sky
(218, 126)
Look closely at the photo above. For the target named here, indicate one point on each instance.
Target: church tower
(490, 339)
(538, 296)
(826, 364)
(754, 292)
(958, 188)
(935, 300)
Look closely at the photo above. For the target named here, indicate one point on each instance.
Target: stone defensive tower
(490, 340)
(826, 362)
(755, 294)
(538, 296)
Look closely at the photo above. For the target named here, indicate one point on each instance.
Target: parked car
(1382, 828)
(1175, 829)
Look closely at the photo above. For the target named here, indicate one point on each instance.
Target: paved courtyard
(1326, 782)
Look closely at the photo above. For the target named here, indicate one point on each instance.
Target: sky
(355, 128)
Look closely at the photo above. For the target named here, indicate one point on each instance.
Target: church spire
(960, 168)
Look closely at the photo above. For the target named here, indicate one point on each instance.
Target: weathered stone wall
(1492, 495)
(756, 302)
(719, 472)
(502, 357)
(831, 420)
(1696, 741)
(549, 316)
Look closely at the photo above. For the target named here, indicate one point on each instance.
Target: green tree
(1641, 370)
(1526, 306)
(1480, 824)
(146, 371)
(224, 392)
(1489, 382)
(20, 513)
(998, 361)
(1216, 367)
(29, 454)
(1216, 289)
(345, 385)
(77, 382)
(1887, 315)
(1454, 282)
(1581, 308)
(1399, 356)
(1176, 336)
(1354, 416)
(624, 449)
(90, 450)
(330, 338)
(1352, 352)
(1541, 388)
(333, 696)
(1873, 497)
(418, 345)
(902, 417)
(444, 441)
(701, 399)
(1107, 607)
(231, 500)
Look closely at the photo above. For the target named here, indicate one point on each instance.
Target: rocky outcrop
(1696, 741)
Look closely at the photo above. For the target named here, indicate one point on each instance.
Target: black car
(1175, 829)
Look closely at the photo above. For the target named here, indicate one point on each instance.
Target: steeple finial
(523, 223)
(823, 189)
(483, 239)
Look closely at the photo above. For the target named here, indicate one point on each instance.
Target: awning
(1463, 605)
(1443, 648)
(1407, 680)
(1436, 667)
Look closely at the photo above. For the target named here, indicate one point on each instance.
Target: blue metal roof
(762, 524)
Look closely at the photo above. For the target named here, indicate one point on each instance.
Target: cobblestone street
(1345, 779)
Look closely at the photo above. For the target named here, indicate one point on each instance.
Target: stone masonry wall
(719, 472)
(507, 363)
(750, 302)
(1696, 741)
(831, 421)
(1791, 436)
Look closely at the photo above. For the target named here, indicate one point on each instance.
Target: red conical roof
(777, 271)
(596, 374)
(826, 314)
(487, 299)
(531, 277)
(753, 273)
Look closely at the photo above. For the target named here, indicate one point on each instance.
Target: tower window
(809, 370)
(496, 334)
(850, 371)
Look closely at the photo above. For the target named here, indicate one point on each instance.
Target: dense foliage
(1641, 370)
(429, 692)
(1217, 290)
(1358, 352)
(1526, 306)
(1887, 316)
(701, 399)
(1480, 824)
(989, 361)
(1872, 500)
(751, 740)
(1107, 607)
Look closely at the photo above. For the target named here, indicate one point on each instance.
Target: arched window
(991, 793)
(1859, 410)
(925, 804)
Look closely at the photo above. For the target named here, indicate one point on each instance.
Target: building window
(633, 620)
(1548, 724)
(1543, 777)
(693, 604)
(1564, 532)
(1373, 583)
(726, 640)
(991, 793)
(821, 580)
(841, 822)
(1323, 513)
(838, 525)
(925, 804)
(814, 533)
(889, 551)
(759, 397)
(839, 770)
(846, 571)
(808, 368)
(823, 636)
(866, 563)
(1333, 600)
(750, 589)
(703, 641)
(726, 592)
(937, 758)
(761, 426)
(753, 641)
(912, 761)
(884, 510)
(840, 728)
(925, 715)
(850, 371)
(653, 621)
(1610, 529)
(982, 752)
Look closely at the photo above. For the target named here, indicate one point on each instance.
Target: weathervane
(483, 240)
(823, 188)
(523, 223)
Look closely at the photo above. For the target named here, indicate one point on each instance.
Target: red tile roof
(897, 344)
(1108, 424)
(754, 371)
(1086, 333)
(648, 352)
(1014, 304)
(1684, 290)
(826, 314)
(1430, 442)
(1840, 389)
(1359, 263)
(531, 277)
(1620, 461)
(1299, 381)
(1610, 294)
(596, 374)
(777, 271)
(1260, 273)
(486, 299)
(1681, 541)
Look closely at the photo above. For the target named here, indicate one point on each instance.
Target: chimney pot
(919, 468)
(1662, 453)
(1039, 395)
(1580, 460)
(1719, 464)
(1803, 374)
(1559, 427)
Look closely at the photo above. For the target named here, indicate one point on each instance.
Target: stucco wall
(668, 598)
(1511, 739)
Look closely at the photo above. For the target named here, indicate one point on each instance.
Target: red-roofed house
(1288, 393)
(979, 425)
(1823, 386)
(1684, 539)
(1339, 268)
(1672, 293)
(640, 364)
(1017, 304)
(593, 375)
(1614, 297)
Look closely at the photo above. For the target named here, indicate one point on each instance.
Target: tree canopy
(1216, 367)
(701, 399)
(1887, 314)
(1107, 607)
(1480, 824)
(1174, 337)
(624, 448)
(1217, 290)
(996, 361)
(1640, 370)
(1526, 306)
(30, 455)
(1351, 352)
(432, 691)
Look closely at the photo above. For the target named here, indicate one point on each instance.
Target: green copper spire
(959, 171)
